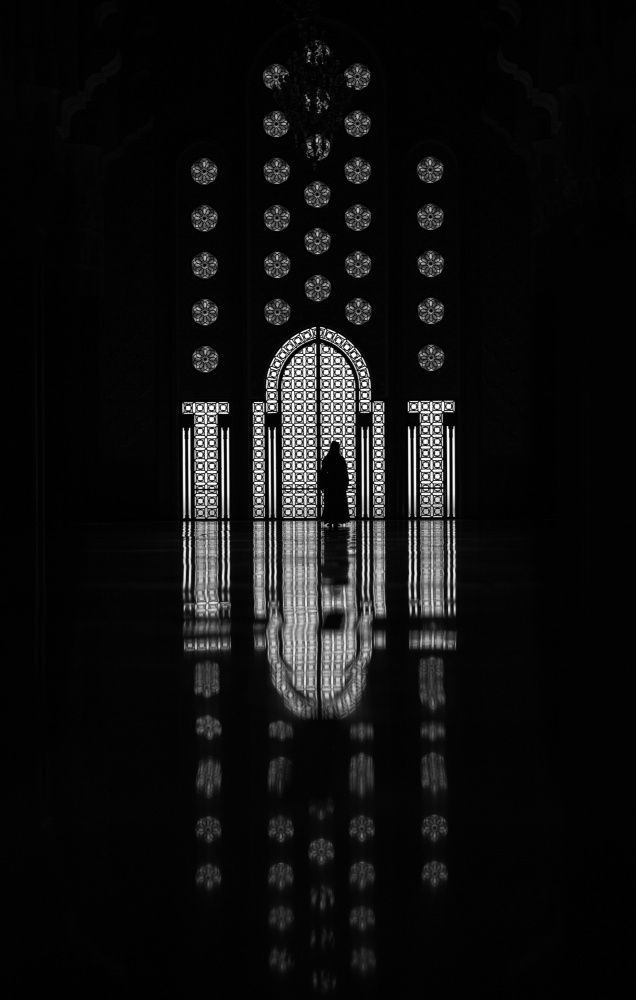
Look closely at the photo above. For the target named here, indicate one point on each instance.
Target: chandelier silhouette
(313, 94)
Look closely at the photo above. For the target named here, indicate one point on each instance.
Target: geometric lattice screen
(431, 460)
(206, 460)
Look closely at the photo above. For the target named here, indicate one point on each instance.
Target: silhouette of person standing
(333, 481)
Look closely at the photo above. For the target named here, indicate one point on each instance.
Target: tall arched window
(318, 389)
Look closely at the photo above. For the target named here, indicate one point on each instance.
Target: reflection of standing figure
(334, 480)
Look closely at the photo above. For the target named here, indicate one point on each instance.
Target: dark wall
(537, 104)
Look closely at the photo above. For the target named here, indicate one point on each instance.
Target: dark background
(536, 100)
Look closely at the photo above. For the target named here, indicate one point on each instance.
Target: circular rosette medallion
(276, 218)
(358, 311)
(357, 124)
(280, 829)
(358, 217)
(430, 263)
(204, 265)
(277, 312)
(204, 218)
(358, 264)
(275, 124)
(434, 872)
(321, 851)
(273, 75)
(276, 171)
(277, 265)
(208, 829)
(430, 170)
(317, 194)
(358, 76)
(317, 240)
(430, 311)
(205, 312)
(431, 357)
(317, 288)
(205, 359)
(434, 828)
(208, 876)
(357, 170)
(204, 171)
(430, 216)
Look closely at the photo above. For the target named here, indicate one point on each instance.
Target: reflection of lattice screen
(431, 457)
(206, 456)
(300, 604)
(299, 432)
(338, 411)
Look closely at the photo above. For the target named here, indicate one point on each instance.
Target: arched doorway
(317, 390)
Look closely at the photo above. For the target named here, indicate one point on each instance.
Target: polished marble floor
(284, 761)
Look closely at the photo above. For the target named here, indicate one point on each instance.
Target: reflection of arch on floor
(267, 441)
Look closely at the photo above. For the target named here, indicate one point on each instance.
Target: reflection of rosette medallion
(431, 357)
(317, 288)
(204, 171)
(206, 678)
(358, 311)
(317, 194)
(357, 124)
(280, 730)
(321, 851)
(280, 918)
(204, 265)
(279, 773)
(430, 169)
(357, 170)
(358, 264)
(276, 171)
(363, 960)
(208, 876)
(358, 217)
(280, 829)
(434, 872)
(275, 124)
(280, 875)
(208, 727)
(317, 240)
(204, 218)
(430, 263)
(276, 218)
(205, 312)
(362, 828)
(273, 75)
(430, 216)
(317, 148)
(277, 265)
(277, 312)
(280, 960)
(208, 829)
(362, 874)
(205, 359)
(430, 310)
(358, 76)
(208, 777)
(362, 918)
(434, 828)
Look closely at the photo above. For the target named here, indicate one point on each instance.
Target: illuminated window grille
(431, 462)
(205, 461)
(317, 390)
